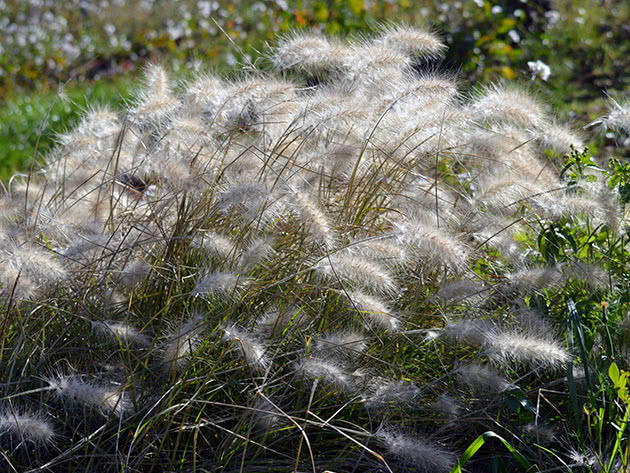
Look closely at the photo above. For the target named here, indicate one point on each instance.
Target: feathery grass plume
(577, 206)
(216, 244)
(559, 138)
(16, 285)
(155, 104)
(276, 321)
(190, 132)
(534, 279)
(374, 311)
(585, 458)
(607, 199)
(98, 129)
(337, 159)
(463, 291)
(502, 194)
(411, 41)
(433, 247)
(507, 347)
(422, 195)
(135, 273)
(219, 283)
(182, 342)
(25, 428)
(308, 52)
(382, 393)
(29, 269)
(496, 231)
(121, 333)
(618, 117)
(481, 379)
(593, 276)
(486, 148)
(252, 350)
(429, 84)
(507, 104)
(343, 345)
(357, 271)
(203, 95)
(326, 370)
(387, 252)
(368, 62)
(256, 252)
(414, 453)
(472, 332)
(74, 390)
(447, 407)
(248, 199)
(319, 228)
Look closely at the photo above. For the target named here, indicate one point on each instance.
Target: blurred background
(57, 58)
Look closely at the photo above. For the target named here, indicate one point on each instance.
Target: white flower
(539, 69)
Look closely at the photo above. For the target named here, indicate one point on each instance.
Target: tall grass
(344, 265)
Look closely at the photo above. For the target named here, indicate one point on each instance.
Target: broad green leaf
(613, 373)
(476, 445)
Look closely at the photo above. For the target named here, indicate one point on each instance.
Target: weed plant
(343, 265)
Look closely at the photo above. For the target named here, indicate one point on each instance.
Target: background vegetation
(45, 44)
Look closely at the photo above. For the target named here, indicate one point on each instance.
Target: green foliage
(578, 162)
(619, 172)
(30, 123)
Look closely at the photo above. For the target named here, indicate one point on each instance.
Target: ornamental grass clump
(288, 270)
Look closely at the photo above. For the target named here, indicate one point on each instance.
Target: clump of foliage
(344, 264)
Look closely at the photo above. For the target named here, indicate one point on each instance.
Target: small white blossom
(514, 36)
(539, 69)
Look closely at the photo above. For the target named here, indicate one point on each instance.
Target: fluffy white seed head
(107, 399)
(156, 103)
(508, 105)
(256, 252)
(120, 332)
(25, 428)
(252, 350)
(412, 41)
(382, 393)
(533, 279)
(135, 273)
(618, 117)
(559, 138)
(420, 454)
(182, 342)
(481, 378)
(374, 311)
(219, 283)
(433, 247)
(306, 51)
(518, 348)
(463, 291)
(344, 268)
(327, 371)
(471, 332)
(317, 224)
(344, 345)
